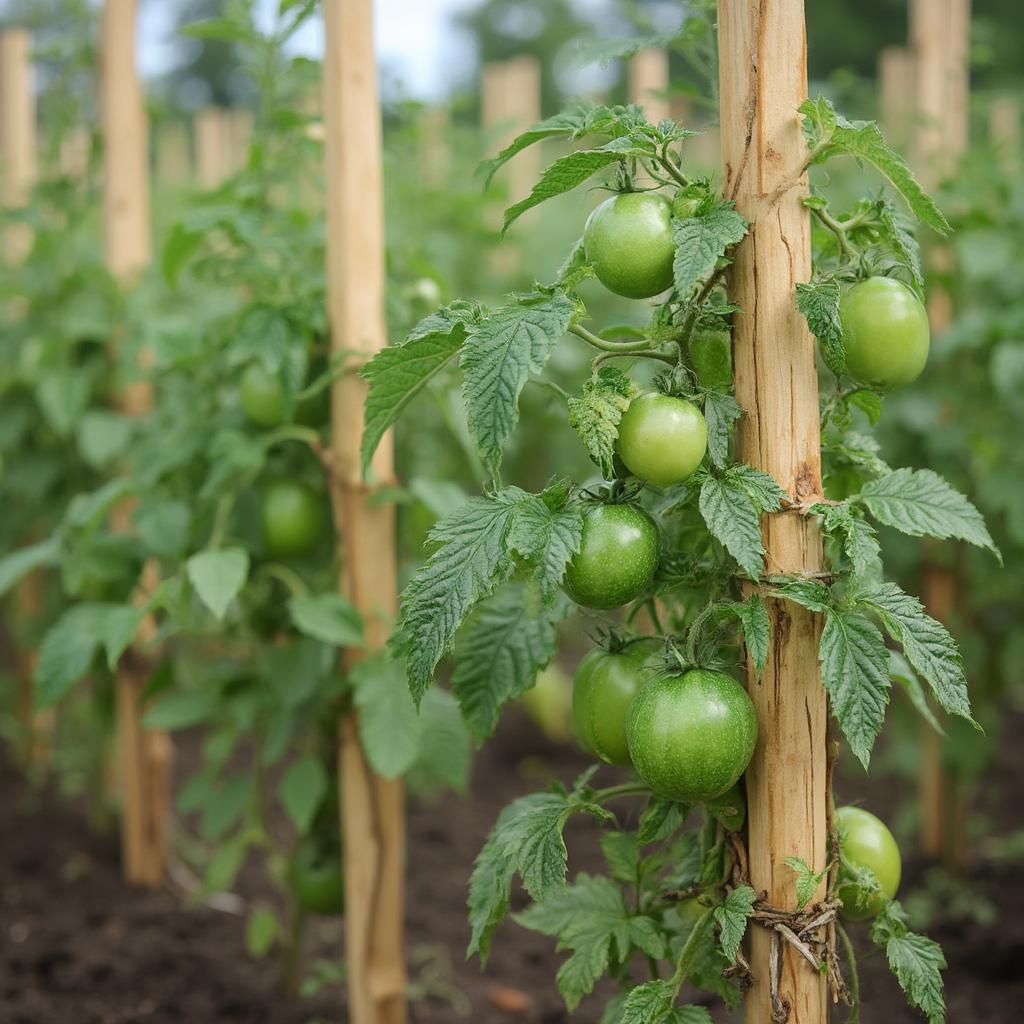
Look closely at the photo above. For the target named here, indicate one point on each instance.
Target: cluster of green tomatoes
(689, 734)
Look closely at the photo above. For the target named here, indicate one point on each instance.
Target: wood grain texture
(763, 79)
(372, 808)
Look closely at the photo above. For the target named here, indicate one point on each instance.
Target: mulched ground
(79, 947)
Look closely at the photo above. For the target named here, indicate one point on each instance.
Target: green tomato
(602, 690)
(711, 353)
(691, 734)
(885, 331)
(617, 557)
(866, 843)
(315, 877)
(262, 396)
(628, 239)
(662, 440)
(292, 518)
(730, 808)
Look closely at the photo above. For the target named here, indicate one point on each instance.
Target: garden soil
(80, 947)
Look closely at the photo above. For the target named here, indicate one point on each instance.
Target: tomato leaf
(547, 530)
(859, 539)
(855, 671)
(926, 643)
(327, 617)
(819, 303)
(398, 374)
(920, 503)
(753, 619)
(389, 726)
(807, 880)
(901, 671)
(469, 564)
(562, 176)
(732, 519)
(701, 240)
(301, 789)
(21, 562)
(901, 240)
(218, 577)
(500, 353)
(261, 930)
(809, 593)
(595, 415)
(916, 961)
(565, 124)
(731, 917)
(445, 748)
(508, 641)
(721, 410)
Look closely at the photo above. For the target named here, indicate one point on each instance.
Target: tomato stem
(851, 963)
(606, 345)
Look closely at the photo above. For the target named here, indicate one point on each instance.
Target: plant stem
(291, 968)
(625, 789)
(621, 347)
(665, 162)
(543, 382)
(686, 953)
(851, 963)
(691, 317)
(644, 353)
(289, 577)
(837, 228)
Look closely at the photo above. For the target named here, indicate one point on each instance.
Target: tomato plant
(662, 439)
(871, 866)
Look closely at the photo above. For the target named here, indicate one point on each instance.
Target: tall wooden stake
(648, 83)
(17, 135)
(173, 159)
(144, 755)
(211, 146)
(763, 79)
(939, 31)
(897, 81)
(372, 808)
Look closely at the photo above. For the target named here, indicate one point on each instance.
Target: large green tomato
(885, 330)
(662, 440)
(315, 877)
(602, 690)
(691, 734)
(628, 239)
(617, 557)
(292, 518)
(867, 843)
(262, 396)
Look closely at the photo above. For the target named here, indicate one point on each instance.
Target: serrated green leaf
(920, 503)
(660, 818)
(926, 643)
(622, 854)
(509, 640)
(807, 880)
(182, 709)
(218, 577)
(860, 541)
(818, 301)
(500, 353)
(810, 594)
(901, 671)
(398, 374)
(759, 487)
(66, 653)
(721, 410)
(855, 671)
(547, 533)
(566, 123)
(701, 241)
(301, 790)
(261, 931)
(20, 563)
(901, 240)
(596, 414)
(732, 520)
(649, 1003)
(562, 176)
(469, 564)
(753, 618)
(389, 726)
(327, 617)
(731, 917)
(916, 960)
(445, 748)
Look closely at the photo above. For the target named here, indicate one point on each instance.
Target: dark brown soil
(79, 947)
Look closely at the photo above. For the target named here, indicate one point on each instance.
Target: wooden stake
(939, 32)
(372, 808)
(173, 159)
(510, 103)
(763, 79)
(17, 136)
(239, 135)
(1004, 130)
(74, 153)
(896, 88)
(211, 147)
(145, 755)
(648, 83)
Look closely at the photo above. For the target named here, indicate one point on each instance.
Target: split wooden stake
(763, 79)
(144, 754)
(372, 808)
(939, 31)
(17, 136)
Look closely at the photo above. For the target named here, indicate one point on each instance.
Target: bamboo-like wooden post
(763, 79)
(896, 88)
(211, 146)
(17, 135)
(372, 808)
(510, 103)
(648, 83)
(939, 32)
(74, 152)
(173, 159)
(434, 157)
(239, 135)
(1004, 130)
(144, 754)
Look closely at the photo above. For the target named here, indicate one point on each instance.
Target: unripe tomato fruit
(691, 734)
(292, 517)
(602, 690)
(262, 396)
(617, 557)
(885, 331)
(711, 354)
(662, 439)
(628, 239)
(866, 842)
(315, 877)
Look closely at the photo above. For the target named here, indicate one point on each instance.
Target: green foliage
(916, 961)
(701, 241)
(595, 415)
